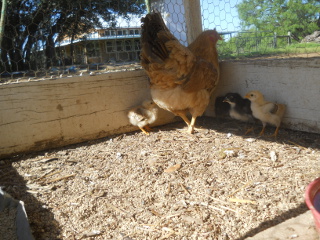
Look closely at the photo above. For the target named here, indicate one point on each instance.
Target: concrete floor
(301, 227)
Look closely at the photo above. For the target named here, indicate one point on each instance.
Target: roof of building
(97, 36)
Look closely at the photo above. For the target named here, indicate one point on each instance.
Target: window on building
(107, 33)
(119, 46)
(112, 32)
(119, 33)
(131, 32)
(128, 45)
(109, 46)
(77, 49)
(92, 49)
(136, 31)
(137, 44)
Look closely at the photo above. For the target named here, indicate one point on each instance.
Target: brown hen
(181, 78)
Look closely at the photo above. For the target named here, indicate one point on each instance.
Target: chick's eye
(251, 95)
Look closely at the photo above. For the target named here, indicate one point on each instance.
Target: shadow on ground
(291, 137)
(41, 220)
(302, 208)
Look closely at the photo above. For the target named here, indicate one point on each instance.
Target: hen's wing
(203, 75)
(167, 62)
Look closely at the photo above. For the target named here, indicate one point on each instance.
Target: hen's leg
(184, 117)
(191, 126)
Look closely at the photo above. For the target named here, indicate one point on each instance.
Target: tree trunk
(5, 66)
(51, 59)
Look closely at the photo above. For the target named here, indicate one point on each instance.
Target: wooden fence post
(189, 25)
(193, 19)
(289, 38)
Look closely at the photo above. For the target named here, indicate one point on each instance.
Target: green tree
(300, 17)
(35, 25)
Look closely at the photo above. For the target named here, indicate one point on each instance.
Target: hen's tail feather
(154, 36)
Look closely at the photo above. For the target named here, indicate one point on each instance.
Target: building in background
(102, 46)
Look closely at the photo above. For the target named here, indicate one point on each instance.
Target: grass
(229, 51)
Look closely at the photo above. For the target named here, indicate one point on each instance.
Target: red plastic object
(312, 198)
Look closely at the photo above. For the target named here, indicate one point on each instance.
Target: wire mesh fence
(253, 28)
(48, 39)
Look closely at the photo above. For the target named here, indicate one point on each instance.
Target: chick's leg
(275, 134)
(263, 129)
(144, 131)
(148, 128)
(249, 130)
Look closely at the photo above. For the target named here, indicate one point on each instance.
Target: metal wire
(44, 39)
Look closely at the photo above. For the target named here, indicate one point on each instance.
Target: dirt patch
(215, 184)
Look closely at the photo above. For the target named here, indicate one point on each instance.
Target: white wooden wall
(51, 113)
(44, 114)
(294, 82)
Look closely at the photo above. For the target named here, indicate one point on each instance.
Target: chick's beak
(246, 96)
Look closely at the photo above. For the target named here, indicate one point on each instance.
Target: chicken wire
(67, 38)
(239, 41)
(41, 39)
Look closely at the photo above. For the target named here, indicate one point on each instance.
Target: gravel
(215, 184)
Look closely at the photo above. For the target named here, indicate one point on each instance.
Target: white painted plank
(50, 113)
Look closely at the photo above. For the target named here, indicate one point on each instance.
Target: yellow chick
(266, 112)
(142, 116)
